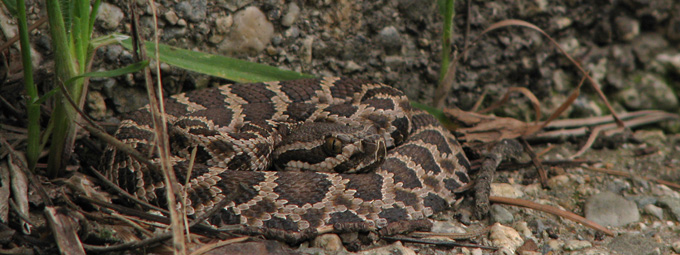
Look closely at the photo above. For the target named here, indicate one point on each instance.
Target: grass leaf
(111, 73)
(219, 66)
(11, 6)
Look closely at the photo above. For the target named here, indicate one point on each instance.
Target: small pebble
(291, 16)
(395, 248)
(351, 67)
(506, 238)
(501, 215)
(673, 204)
(573, 245)
(555, 245)
(328, 242)
(292, 32)
(558, 181)
(626, 28)
(222, 24)
(390, 39)
(171, 17)
(109, 15)
(676, 246)
(505, 190)
(654, 211)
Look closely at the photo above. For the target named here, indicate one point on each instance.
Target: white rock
(291, 16)
(505, 190)
(573, 245)
(506, 238)
(252, 32)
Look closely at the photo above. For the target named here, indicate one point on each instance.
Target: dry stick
(563, 107)
(15, 209)
(536, 161)
(16, 37)
(467, 235)
(641, 120)
(628, 175)
(535, 103)
(437, 242)
(162, 139)
(14, 156)
(99, 132)
(594, 121)
(161, 237)
(124, 193)
(467, 30)
(445, 86)
(185, 196)
(553, 210)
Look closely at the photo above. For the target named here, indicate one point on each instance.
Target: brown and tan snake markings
(295, 156)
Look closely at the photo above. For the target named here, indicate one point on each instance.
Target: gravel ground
(629, 46)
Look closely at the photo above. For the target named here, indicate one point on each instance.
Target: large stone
(609, 209)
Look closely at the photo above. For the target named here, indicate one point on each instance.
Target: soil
(399, 43)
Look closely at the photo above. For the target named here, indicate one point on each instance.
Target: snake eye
(333, 145)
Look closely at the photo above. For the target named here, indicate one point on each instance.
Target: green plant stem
(33, 109)
(64, 116)
(448, 13)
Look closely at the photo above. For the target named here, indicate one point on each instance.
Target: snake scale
(296, 156)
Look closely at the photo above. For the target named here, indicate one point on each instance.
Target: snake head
(330, 147)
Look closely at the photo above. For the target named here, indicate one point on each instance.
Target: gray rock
(110, 15)
(626, 28)
(234, 5)
(642, 200)
(647, 46)
(676, 246)
(654, 211)
(174, 32)
(292, 32)
(501, 215)
(673, 204)
(113, 53)
(351, 66)
(223, 24)
(609, 209)
(574, 245)
(171, 17)
(648, 91)
(194, 10)
(630, 244)
(291, 15)
(391, 40)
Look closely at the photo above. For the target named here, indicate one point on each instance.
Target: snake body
(297, 156)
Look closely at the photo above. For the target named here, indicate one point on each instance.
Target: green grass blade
(219, 66)
(33, 109)
(111, 73)
(93, 16)
(11, 6)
